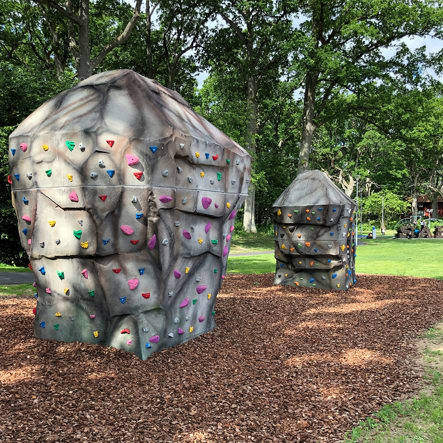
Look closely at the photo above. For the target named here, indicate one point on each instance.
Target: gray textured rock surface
(314, 237)
(126, 201)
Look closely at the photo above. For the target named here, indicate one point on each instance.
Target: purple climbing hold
(207, 227)
(184, 303)
(186, 234)
(201, 319)
(165, 198)
(152, 241)
(200, 289)
(232, 215)
(206, 202)
(177, 274)
(154, 339)
(180, 331)
(225, 251)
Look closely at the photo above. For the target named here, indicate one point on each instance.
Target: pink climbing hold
(207, 227)
(225, 251)
(26, 218)
(154, 339)
(127, 229)
(232, 215)
(152, 241)
(165, 198)
(206, 202)
(73, 196)
(216, 205)
(231, 228)
(177, 274)
(24, 147)
(85, 273)
(29, 241)
(48, 290)
(92, 316)
(201, 319)
(228, 237)
(133, 283)
(180, 331)
(186, 234)
(200, 289)
(184, 303)
(132, 159)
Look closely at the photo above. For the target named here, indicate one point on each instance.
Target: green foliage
(394, 206)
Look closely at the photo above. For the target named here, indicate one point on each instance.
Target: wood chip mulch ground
(283, 364)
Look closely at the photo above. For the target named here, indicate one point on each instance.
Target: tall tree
(342, 46)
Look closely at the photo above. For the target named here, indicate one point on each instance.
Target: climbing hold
(111, 172)
(184, 303)
(70, 177)
(186, 270)
(308, 244)
(200, 289)
(48, 291)
(165, 198)
(56, 326)
(165, 242)
(110, 143)
(132, 159)
(70, 145)
(228, 205)
(177, 274)
(279, 212)
(102, 197)
(202, 174)
(51, 223)
(77, 234)
(165, 173)
(61, 275)
(134, 242)
(82, 147)
(24, 147)
(122, 300)
(180, 331)
(138, 175)
(116, 270)
(84, 245)
(225, 251)
(186, 234)
(153, 149)
(57, 314)
(73, 196)
(29, 175)
(207, 227)
(191, 328)
(146, 294)
(133, 283)
(152, 241)
(92, 316)
(17, 177)
(197, 154)
(334, 275)
(48, 172)
(125, 331)
(154, 339)
(214, 242)
(26, 218)
(200, 240)
(45, 147)
(13, 151)
(66, 291)
(25, 200)
(207, 155)
(141, 271)
(206, 202)
(219, 176)
(209, 296)
(215, 157)
(85, 273)
(232, 215)
(127, 229)
(106, 241)
(42, 324)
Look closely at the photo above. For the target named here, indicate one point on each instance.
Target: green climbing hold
(213, 312)
(61, 275)
(296, 211)
(228, 161)
(56, 326)
(48, 172)
(214, 242)
(70, 145)
(194, 301)
(91, 293)
(77, 234)
(215, 270)
(219, 176)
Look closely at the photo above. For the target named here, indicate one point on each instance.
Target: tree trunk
(84, 59)
(434, 198)
(148, 41)
(249, 208)
(308, 123)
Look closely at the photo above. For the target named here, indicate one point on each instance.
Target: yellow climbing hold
(342, 247)
(186, 270)
(228, 205)
(51, 223)
(279, 212)
(191, 328)
(338, 285)
(70, 177)
(66, 290)
(200, 240)
(45, 147)
(57, 314)
(202, 174)
(286, 275)
(283, 246)
(197, 154)
(95, 334)
(84, 244)
(209, 296)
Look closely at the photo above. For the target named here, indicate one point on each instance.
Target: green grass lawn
(383, 256)
(11, 268)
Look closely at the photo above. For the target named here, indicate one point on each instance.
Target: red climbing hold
(110, 143)
(9, 179)
(134, 242)
(215, 157)
(125, 331)
(116, 270)
(138, 175)
(146, 294)
(102, 197)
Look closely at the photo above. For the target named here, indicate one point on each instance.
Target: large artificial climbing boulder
(126, 200)
(314, 234)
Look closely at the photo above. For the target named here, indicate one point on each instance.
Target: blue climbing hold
(207, 155)
(334, 210)
(318, 218)
(329, 260)
(331, 234)
(106, 241)
(315, 250)
(36, 294)
(141, 271)
(153, 149)
(17, 176)
(111, 172)
(311, 280)
(42, 270)
(334, 275)
(25, 200)
(123, 300)
(320, 209)
(138, 215)
(13, 150)
(25, 231)
(148, 346)
(42, 324)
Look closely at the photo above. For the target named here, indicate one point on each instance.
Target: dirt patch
(284, 364)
